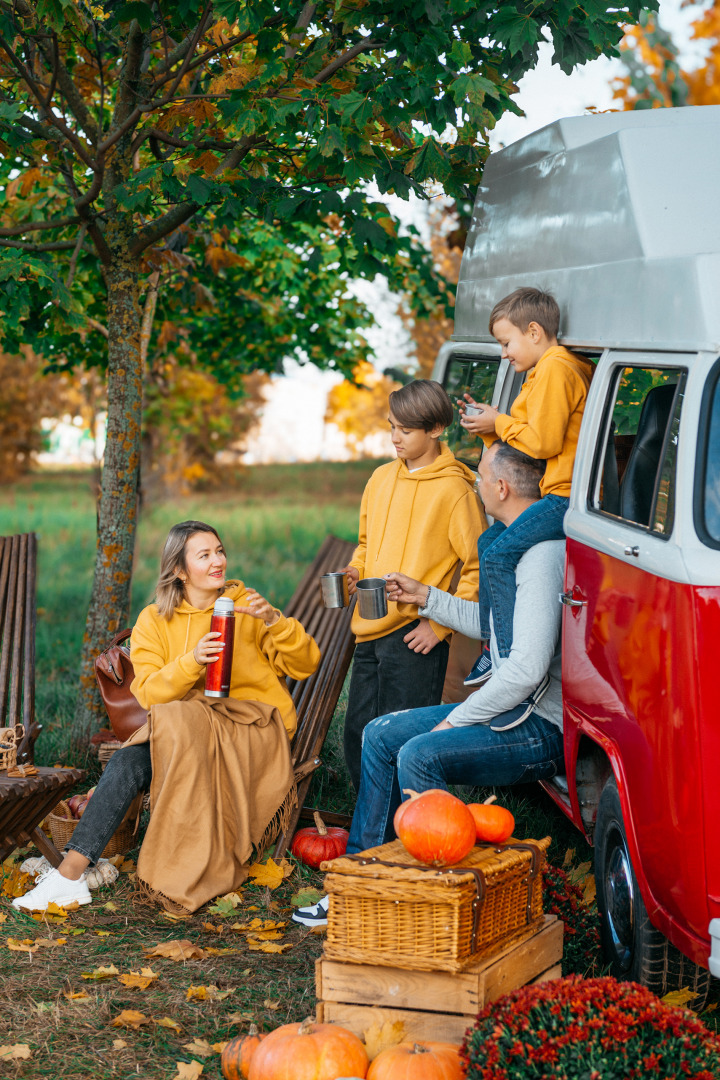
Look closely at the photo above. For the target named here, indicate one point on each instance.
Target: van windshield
(476, 376)
(711, 487)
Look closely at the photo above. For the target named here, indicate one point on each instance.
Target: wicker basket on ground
(62, 826)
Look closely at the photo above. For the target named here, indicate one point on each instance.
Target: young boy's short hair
(525, 306)
(421, 404)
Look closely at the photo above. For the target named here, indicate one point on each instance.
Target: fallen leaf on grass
(268, 946)
(211, 928)
(225, 905)
(14, 882)
(219, 1047)
(257, 926)
(139, 980)
(207, 993)
(168, 1022)
(75, 930)
(172, 917)
(569, 856)
(222, 952)
(119, 1044)
(110, 906)
(270, 873)
(54, 913)
(50, 943)
(27, 945)
(265, 935)
(239, 1017)
(589, 890)
(271, 1004)
(176, 950)
(3, 916)
(380, 1037)
(188, 1070)
(680, 998)
(103, 933)
(305, 897)
(131, 1019)
(199, 1046)
(125, 866)
(76, 995)
(18, 1052)
(101, 973)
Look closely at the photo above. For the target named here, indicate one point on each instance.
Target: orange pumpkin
(309, 1051)
(435, 827)
(235, 1058)
(418, 1061)
(493, 824)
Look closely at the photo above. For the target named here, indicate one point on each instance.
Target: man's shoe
(514, 717)
(481, 670)
(316, 915)
(53, 888)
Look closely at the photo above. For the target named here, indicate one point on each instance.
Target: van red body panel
(638, 675)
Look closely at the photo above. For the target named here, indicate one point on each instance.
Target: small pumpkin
(237, 1055)
(309, 1051)
(418, 1061)
(435, 827)
(313, 846)
(493, 824)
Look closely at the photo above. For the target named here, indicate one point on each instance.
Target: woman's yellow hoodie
(424, 524)
(161, 651)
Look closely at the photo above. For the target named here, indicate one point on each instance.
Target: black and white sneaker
(514, 717)
(316, 915)
(481, 670)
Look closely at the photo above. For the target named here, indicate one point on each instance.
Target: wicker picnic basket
(9, 738)
(387, 908)
(62, 826)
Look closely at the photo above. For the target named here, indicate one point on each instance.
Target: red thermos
(217, 674)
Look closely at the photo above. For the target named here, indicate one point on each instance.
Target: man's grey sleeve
(536, 634)
(451, 611)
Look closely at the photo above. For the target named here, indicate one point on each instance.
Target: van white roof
(616, 214)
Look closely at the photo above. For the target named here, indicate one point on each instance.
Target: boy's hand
(406, 590)
(353, 576)
(422, 639)
(259, 608)
(483, 423)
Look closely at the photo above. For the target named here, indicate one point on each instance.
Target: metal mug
(372, 598)
(334, 590)
(472, 410)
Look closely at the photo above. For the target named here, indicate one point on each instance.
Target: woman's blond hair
(170, 589)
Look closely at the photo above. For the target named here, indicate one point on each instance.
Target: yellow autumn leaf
(265, 935)
(268, 946)
(101, 973)
(50, 943)
(589, 890)
(26, 945)
(680, 998)
(14, 882)
(258, 925)
(139, 980)
(168, 1022)
(110, 906)
(270, 873)
(76, 995)
(569, 856)
(125, 866)
(3, 916)
(269, 1004)
(18, 1052)
(240, 1017)
(119, 1044)
(171, 917)
(188, 1070)
(130, 1018)
(222, 952)
(199, 1046)
(207, 993)
(103, 933)
(380, 1037)
(211, 928)
(176, 950)
(219, 1047)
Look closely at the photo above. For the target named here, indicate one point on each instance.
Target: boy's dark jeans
(127, 773)
(388, 677)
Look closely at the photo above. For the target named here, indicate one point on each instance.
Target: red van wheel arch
(632, 946)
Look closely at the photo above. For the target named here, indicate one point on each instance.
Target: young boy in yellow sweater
(544, 422)
(419, 516)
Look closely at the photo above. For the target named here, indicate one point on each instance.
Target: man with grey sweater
(507, 732)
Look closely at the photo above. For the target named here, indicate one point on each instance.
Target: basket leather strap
(480, 886)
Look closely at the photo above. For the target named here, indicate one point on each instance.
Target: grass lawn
(272, 524)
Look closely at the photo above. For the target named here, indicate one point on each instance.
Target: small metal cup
(372, 598)
(472, 410)
(334, 590)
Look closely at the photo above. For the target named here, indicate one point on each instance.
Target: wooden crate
(437, 1005)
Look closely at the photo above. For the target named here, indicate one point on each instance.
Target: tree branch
(148, 315)
(68, 89)
(58, 245)
(302, 24)
(95, 325)
(34, 226)
(76, 254)
(341, 61)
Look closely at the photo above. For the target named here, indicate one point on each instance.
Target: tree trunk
(117, 518)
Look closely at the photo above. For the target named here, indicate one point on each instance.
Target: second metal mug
(372, 598)
(472, 410)
(334, 590)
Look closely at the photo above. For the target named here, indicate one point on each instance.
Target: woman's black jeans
(127, 773)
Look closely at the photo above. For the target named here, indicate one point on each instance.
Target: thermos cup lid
(224, 606)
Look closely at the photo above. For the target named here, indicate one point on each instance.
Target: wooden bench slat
(14, 714)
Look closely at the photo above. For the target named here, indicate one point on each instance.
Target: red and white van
(617, 216)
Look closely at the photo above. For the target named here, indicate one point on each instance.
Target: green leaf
(305, 897)
(472, 88)
(354, 108)
(200, 190)
(135, 9)
(515, 28)
(428, 163)
(461, 53)
(330, 141)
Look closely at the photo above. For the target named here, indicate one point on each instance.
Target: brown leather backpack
(114, 673)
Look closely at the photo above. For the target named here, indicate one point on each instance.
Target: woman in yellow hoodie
(218, 769)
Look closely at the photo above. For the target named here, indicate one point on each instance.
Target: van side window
(634, 473)
(475, 376)
(708, 519)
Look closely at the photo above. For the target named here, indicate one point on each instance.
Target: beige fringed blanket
(222, 783)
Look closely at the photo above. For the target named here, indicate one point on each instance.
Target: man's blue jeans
(500, 550)
(401, 751)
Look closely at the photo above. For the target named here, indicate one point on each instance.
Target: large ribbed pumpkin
(237, 1055)
(418, 1061)
(309, 1051)
(435, 827)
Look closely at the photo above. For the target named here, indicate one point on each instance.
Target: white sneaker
(53, 888)
(315, 915)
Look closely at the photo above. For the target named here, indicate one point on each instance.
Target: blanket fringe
(279, 823)
(145, 894)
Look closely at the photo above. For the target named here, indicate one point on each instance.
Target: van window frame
(462, 354)
(701, 458)
(593, 489)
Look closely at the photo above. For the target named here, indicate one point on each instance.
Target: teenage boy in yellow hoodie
(417, 512)
(544, 422)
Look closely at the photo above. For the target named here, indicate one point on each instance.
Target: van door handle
(568, 600)
(632, 549)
